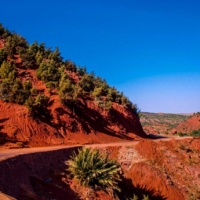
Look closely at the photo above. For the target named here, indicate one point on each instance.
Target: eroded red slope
(191, 124)
(88, 124)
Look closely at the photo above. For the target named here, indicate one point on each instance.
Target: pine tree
(2, 55)
(6, 69)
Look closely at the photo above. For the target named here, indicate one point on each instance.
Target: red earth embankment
(16, 172)
(146, 178)
(178, 161)
(89, 124)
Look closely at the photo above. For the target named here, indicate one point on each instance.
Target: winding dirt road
(10, 153)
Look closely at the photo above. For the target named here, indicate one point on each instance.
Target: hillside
(45, 100)
(160, 123)
(188, 126)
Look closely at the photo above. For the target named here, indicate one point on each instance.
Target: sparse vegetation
(37, 104)
(195, 194)
(180, 134)
(195, 133)
(182, 147)
(162, 122)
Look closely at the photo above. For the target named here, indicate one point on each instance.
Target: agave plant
(93, 169)
(133, 198)
(145, 197)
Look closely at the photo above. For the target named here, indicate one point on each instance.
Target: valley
(161, 123)
(50, 108)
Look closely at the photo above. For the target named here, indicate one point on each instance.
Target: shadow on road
(152, 136)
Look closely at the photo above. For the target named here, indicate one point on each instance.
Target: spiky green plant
(133, 198)
(145, 197)
(93, 169)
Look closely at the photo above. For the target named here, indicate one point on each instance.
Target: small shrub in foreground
(95, 170)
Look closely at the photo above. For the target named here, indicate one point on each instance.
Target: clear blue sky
(150, 49)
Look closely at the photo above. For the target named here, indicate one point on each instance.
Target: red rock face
(88, 124)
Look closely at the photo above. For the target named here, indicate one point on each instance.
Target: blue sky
(150, 49)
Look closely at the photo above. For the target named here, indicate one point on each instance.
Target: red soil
(2, 43)
(147, 178)
(179, 163)
(149, 130)
(88, 125)
(59, 125)
(192, 123)
(161, 169)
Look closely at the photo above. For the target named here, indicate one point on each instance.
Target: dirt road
(9, 153)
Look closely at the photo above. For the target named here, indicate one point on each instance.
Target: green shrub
(48, 72)
(37, 104)
(133, 198)
(20, 144)
(145, 197)
(98, 92)
(81, 71)
(103, 103)
(34, 91)
(195, 133)
(70, 66)
(93, 169)
(7, 70)
(51, 84)
(112, 94)
(14, 91)
(2, 55)
(179, 134)
(87, 82)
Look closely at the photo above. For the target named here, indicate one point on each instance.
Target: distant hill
(161, 123)
(188, 126)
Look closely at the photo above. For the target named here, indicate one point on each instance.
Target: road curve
(9, 153)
